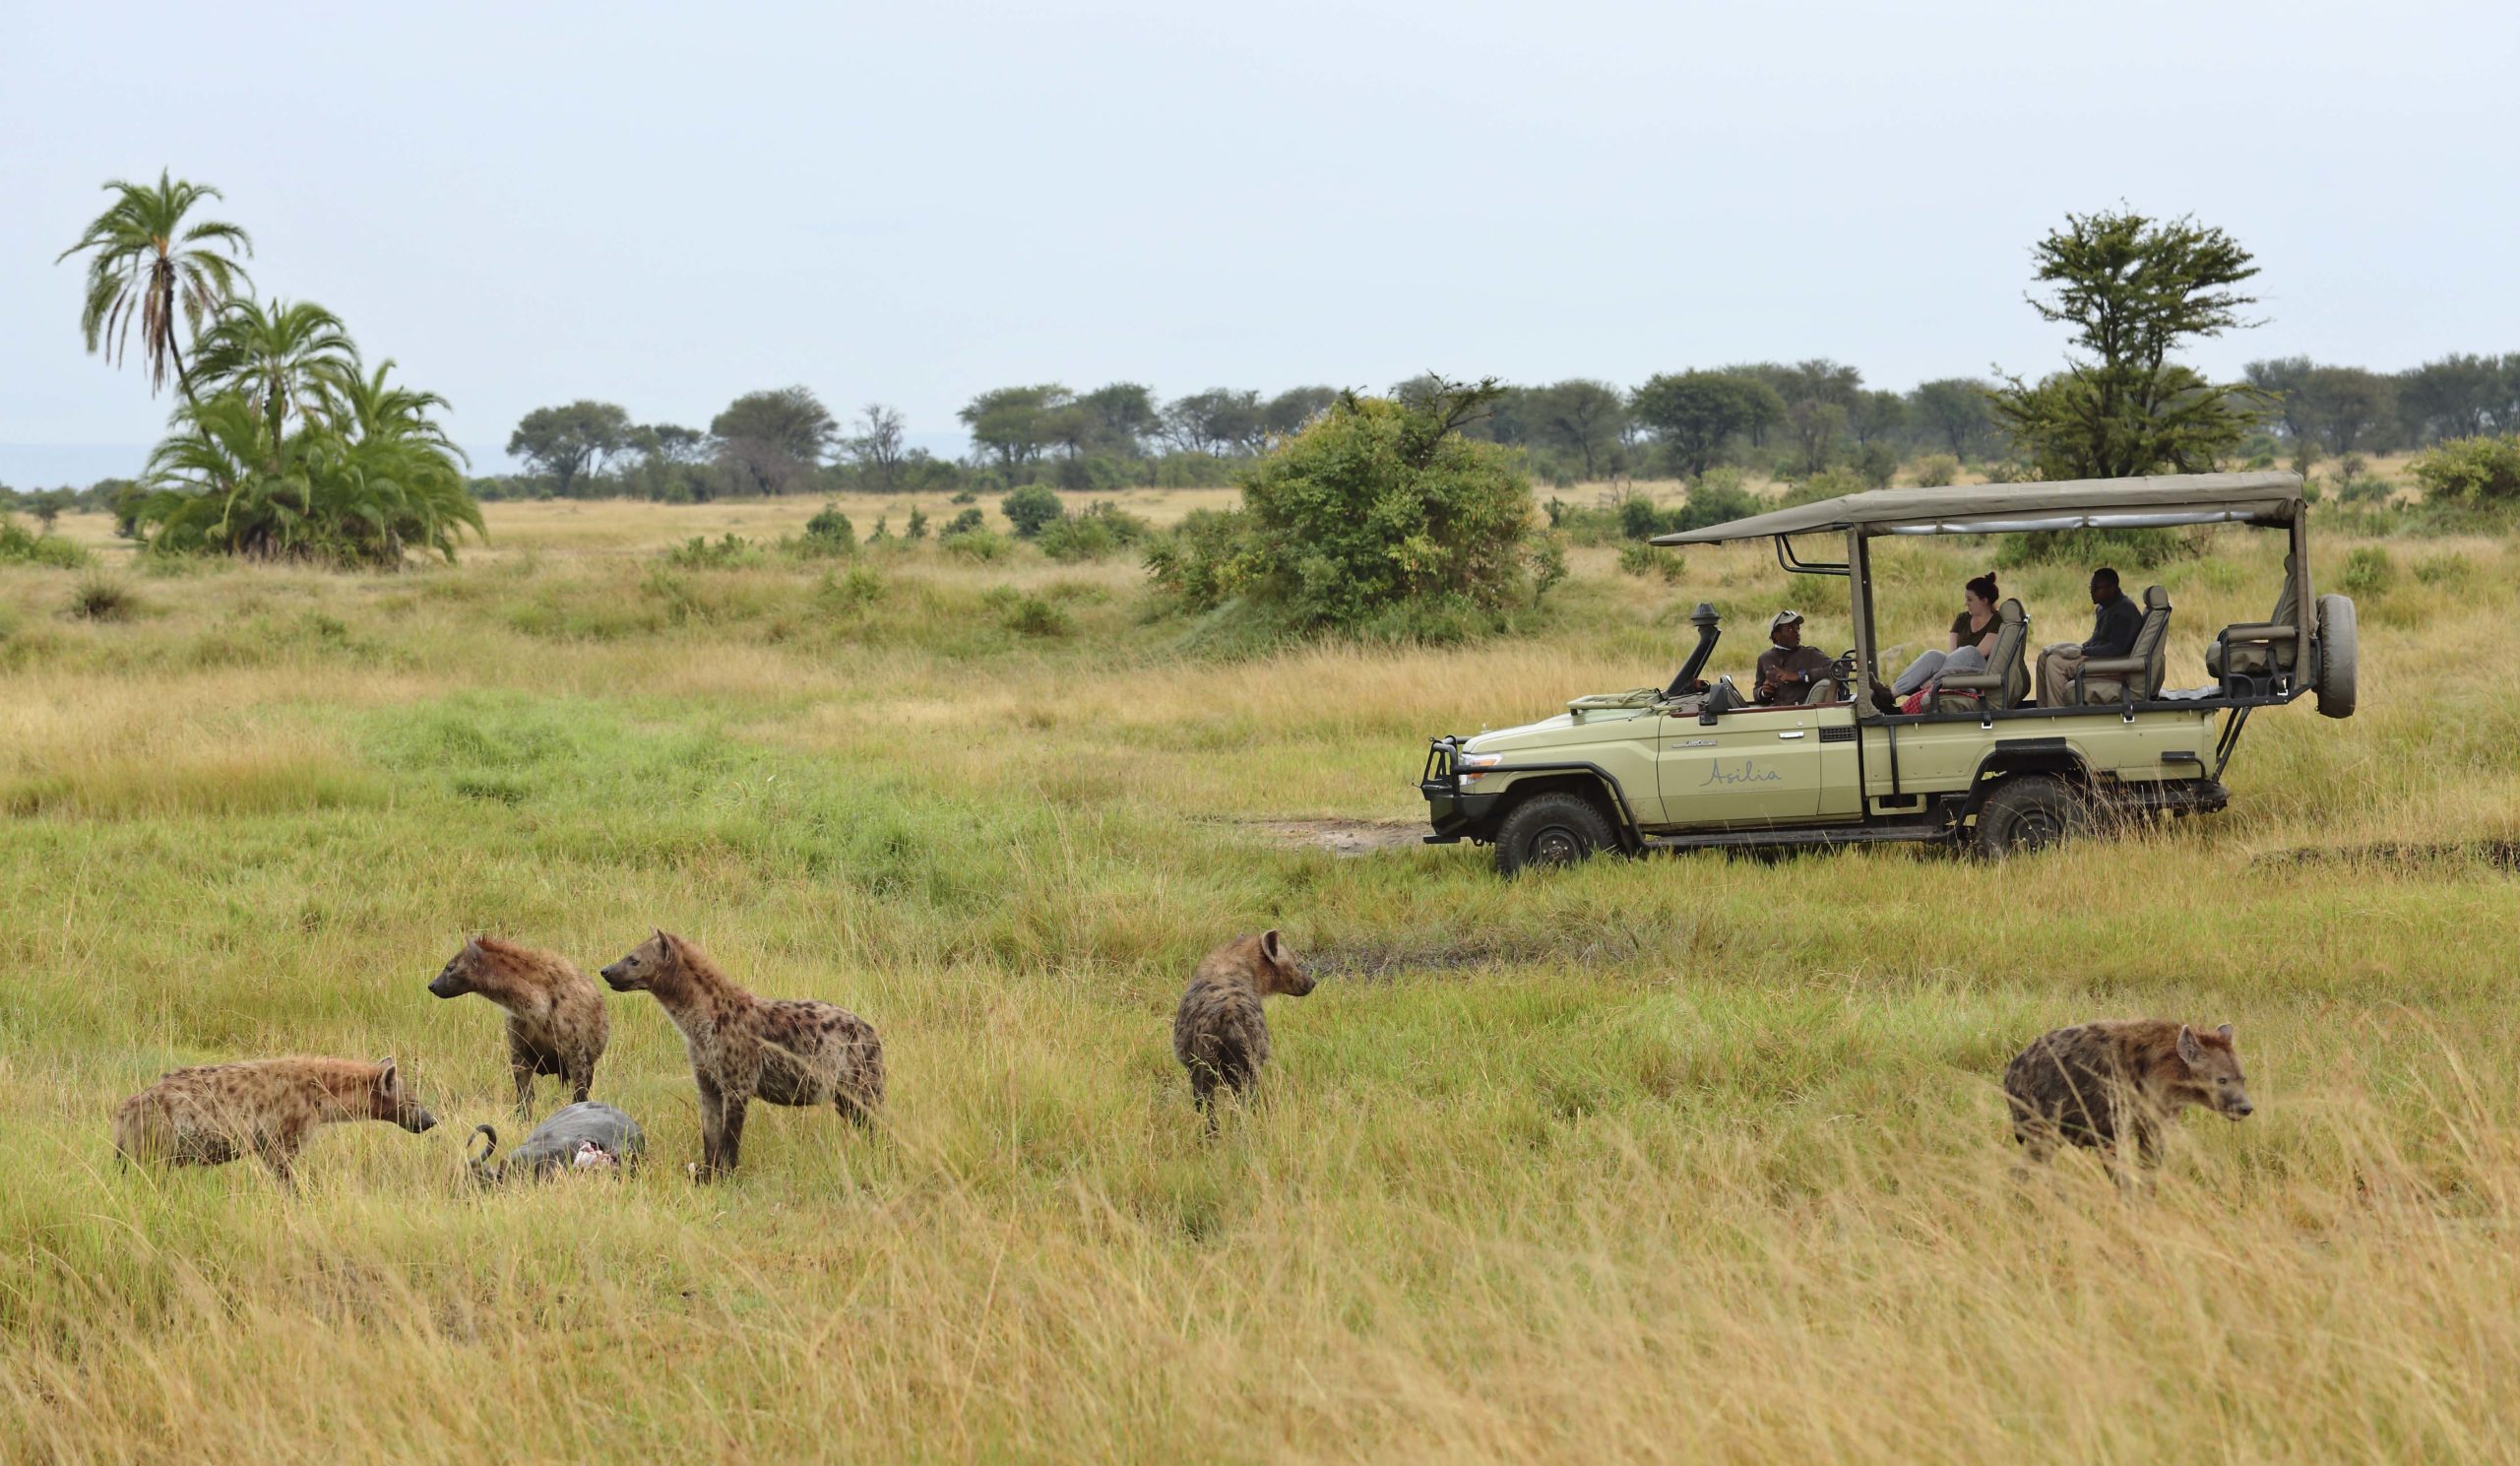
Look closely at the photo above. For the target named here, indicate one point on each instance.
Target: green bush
(1636, 557)
(1031, 509)
(98, 598)
(1828, 483)
(2472, 471)
(1198, 561)
(2367, 571)
(832, 530)
(16, 544)
(964, 523)
(1876, 464)
(1099, 532)
(1718, 495)
(700, 552)
(1933, 471)
(1380, 511)
(916, 529)
(1029, 615)
(980, 546)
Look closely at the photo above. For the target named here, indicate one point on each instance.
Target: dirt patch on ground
(2500, 855)
(1340, 837)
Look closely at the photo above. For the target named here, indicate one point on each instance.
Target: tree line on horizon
(1788, 421)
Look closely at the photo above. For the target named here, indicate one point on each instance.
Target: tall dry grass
(1693, 1159)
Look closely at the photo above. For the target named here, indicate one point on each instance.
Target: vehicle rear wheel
(2031, 812)
(1554, 829)
(2335, 685)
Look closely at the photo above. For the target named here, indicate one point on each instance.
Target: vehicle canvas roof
(2262, 498)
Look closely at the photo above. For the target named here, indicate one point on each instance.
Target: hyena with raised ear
(214, 1114)
(1218, 1033)
(2098, 1084)
(556, 1023)
(743, 1047)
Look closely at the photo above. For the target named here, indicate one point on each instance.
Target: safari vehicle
(1980, 765)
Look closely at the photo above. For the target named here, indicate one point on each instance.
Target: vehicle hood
(1568, 731)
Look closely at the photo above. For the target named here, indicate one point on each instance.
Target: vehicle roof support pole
(1859, 608)
(2305, 611)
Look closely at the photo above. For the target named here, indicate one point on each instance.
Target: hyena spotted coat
(556, 1023)
(212, 1115)
(1219, 1031)
(743, 1047)
(2100, 1084)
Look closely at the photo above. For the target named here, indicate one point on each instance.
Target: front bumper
(1456, 817)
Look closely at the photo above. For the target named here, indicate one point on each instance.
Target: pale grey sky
(664, 205)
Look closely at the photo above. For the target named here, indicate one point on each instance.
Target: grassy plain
(1694, 1159)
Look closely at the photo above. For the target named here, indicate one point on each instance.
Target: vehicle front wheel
(1554, 829)
(2030, 811)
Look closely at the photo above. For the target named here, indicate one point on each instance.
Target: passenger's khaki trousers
(2057, 668)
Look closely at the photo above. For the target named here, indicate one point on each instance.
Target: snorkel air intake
(1709, 627)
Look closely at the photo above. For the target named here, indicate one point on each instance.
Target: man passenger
(2113, 634)
(1788, 669)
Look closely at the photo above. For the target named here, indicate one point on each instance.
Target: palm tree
(148, 264)
(289, 359)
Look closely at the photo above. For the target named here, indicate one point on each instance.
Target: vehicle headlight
(1470, 768)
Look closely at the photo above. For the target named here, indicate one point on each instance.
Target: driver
(1788, 669)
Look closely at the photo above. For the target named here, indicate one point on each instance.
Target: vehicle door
(1751, 766)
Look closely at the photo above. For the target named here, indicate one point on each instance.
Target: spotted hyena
(2100, 1084)
(1219, 1031)
(742, 1046)
(556, 1023)
(213, 1115)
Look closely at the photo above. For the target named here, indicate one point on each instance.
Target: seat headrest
(2156, 599)
(2011, 611)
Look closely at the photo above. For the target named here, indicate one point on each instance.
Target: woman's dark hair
(1983, 586)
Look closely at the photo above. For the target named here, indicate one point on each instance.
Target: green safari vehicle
(1979, 764)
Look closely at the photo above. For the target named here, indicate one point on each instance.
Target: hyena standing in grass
(212, 1115)
(2100, 1084)
(1219, 1031)
(557, 1024)
(742, 1046)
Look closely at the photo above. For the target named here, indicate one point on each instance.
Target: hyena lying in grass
(2100, 1084)
(1219, 1031)
(556, 1023)
(742, 1046)
(212, 1115)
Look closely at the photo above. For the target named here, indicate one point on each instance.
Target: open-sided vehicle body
(1979, 762)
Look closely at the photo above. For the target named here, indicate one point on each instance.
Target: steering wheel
(1844, 668)
(1726, 696)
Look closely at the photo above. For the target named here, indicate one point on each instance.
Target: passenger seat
(2260, 651)
(2006, 679)
(2134, 677)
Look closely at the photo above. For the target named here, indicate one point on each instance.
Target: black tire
(2031, 812)
(1552, 829)
(2335, 684)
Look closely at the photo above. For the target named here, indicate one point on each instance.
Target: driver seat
(2006, 679)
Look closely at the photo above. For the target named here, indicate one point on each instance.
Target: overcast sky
(664, 205)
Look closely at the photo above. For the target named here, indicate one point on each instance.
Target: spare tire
(2335, 682)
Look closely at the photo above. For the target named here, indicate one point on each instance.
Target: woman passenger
(1972, 639)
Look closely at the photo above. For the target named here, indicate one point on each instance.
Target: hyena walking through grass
(2101, 1085)
(742, 1046)
(1218, 1033)
(556, 1023)
(211, 1115)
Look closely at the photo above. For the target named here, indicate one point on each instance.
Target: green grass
(1691, 1159)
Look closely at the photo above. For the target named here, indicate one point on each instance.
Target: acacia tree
(2134, 291)
(566, 441)
(148, 266)
(1583, 418)
(1694, 413)
(1959, 411)
(876, 446)
(772, 437)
